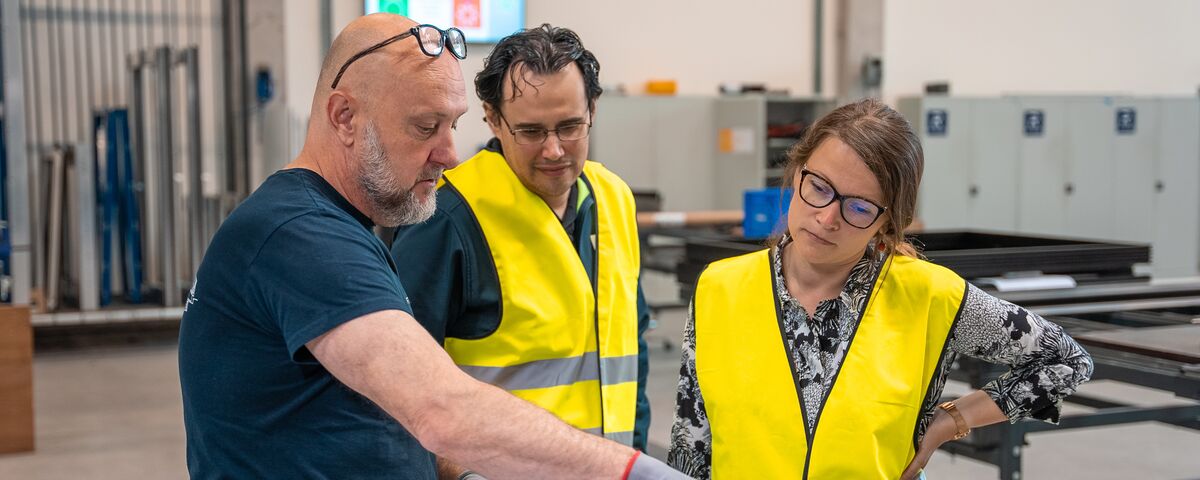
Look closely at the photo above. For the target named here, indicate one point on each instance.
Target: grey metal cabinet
(1088, 195)
(943, 123)
(1042, 166)
(971, 155)
(1176, 207)
(993, 165)
(1136, 167)
(658, 143)
(1098, 167)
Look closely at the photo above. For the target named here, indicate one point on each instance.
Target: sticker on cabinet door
(1035, 123)
(736, 140)
(1126, 120)
(937, 121)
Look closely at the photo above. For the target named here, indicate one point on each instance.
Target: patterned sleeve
(691, 437)
(1047, 364)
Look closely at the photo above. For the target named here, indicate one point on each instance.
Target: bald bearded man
(298, 353)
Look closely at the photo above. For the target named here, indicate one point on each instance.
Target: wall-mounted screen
(482, 21)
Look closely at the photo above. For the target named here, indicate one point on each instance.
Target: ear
(339, 112)
(492, 118)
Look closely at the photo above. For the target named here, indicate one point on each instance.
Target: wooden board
(16, 380)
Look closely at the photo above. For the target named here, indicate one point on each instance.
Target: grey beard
(392, 204)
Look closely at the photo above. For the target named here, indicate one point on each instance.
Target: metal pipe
(81, 99)
(85, 144)
(56, 77)
(191, 63)
(85, 203)
(143, 25)
(818, 44)
(326, 18)
(135, 257)
(122, 49)
(237, 153)
(54, 227)
(194, 22)
(147, 167)
(107, 63)
(33, 160)
(166, 197)
(36, 180)
(17, 188)
(88, 43)
(116, 152)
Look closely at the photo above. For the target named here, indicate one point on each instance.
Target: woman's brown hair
(888, 145)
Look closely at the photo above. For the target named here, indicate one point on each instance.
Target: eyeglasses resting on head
(433, 42)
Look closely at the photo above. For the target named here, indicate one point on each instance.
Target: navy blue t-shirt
(290, 263)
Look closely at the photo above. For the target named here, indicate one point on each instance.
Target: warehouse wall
(283, 36)
(761, 41)
(1031, 46)
(1071, 46)
(752, 41)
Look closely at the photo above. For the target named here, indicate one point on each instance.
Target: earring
(880, 251)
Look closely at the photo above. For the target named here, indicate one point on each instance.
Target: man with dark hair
(530, 266)
(298, 353)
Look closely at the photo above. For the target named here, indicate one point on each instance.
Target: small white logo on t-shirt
(191, 297)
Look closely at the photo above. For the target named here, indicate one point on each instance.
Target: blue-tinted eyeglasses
(858, 212)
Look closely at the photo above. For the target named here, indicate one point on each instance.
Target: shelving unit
(754, 133)
(120, 187)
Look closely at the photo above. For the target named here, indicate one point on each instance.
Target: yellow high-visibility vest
(560, 345)
(866, 427)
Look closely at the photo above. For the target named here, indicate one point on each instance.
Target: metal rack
(115, 97)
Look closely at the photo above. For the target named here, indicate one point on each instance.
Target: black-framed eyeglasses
(538, 135)
(858, 212)
(432, 40)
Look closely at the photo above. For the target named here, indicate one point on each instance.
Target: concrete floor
(116, 413)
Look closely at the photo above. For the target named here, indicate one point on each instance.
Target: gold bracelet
(961, 424)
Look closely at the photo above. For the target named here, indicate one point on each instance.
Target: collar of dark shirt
(857, 285)
(569, 215)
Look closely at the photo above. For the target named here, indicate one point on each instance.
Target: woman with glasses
(825, 355)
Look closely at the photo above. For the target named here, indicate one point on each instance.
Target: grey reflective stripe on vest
(614, 370)
(557, 371)
(625, 437)
(621, 437)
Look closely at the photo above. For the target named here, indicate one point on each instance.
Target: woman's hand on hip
(941, 430)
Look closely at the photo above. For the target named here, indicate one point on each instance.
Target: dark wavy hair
(543, 50)
(890, 148)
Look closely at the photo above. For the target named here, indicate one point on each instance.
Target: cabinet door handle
(973, 191)
(1069, 188)
(1159, 186)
